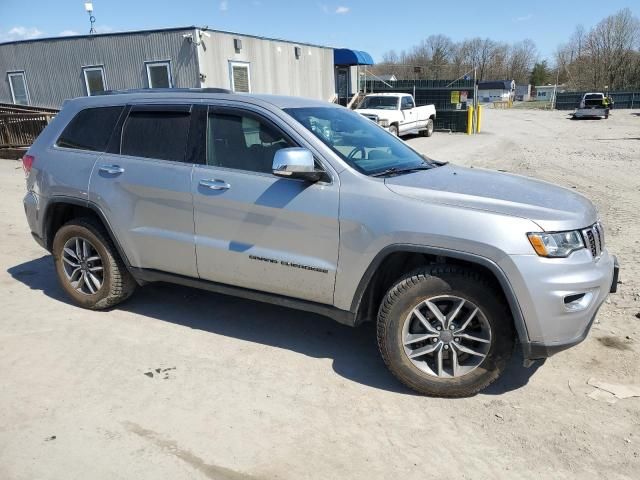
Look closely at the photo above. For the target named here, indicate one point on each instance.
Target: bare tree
(606, 55)
(522, 56)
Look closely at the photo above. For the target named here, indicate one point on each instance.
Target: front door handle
(111, 169)
(215, 184)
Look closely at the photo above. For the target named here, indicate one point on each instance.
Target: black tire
(117, 285)
(428, 131)
(393, 130)
(444, 280)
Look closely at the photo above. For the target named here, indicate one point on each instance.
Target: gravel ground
(184, 384)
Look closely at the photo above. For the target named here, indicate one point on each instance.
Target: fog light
(577, 301)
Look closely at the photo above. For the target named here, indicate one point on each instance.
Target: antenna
(88, 6)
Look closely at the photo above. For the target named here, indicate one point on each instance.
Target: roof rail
(164, 90)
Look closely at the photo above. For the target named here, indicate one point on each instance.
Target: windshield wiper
(397, 171)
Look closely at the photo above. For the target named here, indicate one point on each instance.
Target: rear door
(256, 230)
(143, 185)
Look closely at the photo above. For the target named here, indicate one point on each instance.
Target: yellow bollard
(478, 118)
(470, 120)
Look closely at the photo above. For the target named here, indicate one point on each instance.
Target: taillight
(27, 163)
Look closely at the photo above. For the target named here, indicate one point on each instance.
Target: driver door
(256, 230)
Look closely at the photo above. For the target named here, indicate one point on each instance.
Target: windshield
(357, 140)
(380, 103)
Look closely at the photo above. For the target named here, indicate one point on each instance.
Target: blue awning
(345, 56)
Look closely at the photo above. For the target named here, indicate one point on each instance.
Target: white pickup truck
(593, 105)
(397, 112)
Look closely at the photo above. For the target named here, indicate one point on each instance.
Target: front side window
(157, 134)
(240, 79)
(243, 142)
(90, 129)
(159, 74)
(407, 102)
(357, 140)
(94, 80)
(18, 85)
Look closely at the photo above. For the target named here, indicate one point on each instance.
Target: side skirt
(143, 275)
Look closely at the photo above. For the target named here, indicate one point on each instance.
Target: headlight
(559, 244)
(383, 123)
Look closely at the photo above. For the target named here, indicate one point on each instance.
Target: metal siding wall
(53, 68)
(274, 67)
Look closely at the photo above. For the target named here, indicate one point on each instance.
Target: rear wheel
(428, 131)
(443, 331)
(89, 267)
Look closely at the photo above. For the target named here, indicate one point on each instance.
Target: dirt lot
(180, 384)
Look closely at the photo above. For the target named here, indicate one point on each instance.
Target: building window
(240, 77)
(94, 79)
(19, 91)
(159, 74)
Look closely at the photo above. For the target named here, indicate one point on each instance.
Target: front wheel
(443, 331)
(393, 130)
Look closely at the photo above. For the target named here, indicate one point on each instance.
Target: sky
(373, 26)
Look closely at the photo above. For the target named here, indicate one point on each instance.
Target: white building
(546, 92)
(44, 72)
(496, 90)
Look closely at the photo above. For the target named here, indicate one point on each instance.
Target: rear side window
(156, 134)
(90, 129)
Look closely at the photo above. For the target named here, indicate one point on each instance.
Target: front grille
(371, 117)
(594, 239)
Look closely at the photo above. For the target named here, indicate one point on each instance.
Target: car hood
(553, 208)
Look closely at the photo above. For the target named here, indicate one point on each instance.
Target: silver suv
(312, 206)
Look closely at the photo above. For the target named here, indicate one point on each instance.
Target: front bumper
(560, 298)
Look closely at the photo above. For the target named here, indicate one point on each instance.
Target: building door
(342, 85)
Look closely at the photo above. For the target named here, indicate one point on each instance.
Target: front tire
(443, 331)
(393, 130)
(89, 268)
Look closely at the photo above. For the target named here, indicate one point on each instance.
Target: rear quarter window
(90, 129)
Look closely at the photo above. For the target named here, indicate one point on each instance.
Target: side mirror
(295, 163)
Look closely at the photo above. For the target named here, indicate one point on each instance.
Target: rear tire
(448, 370)
(428, 131)
(89, 268)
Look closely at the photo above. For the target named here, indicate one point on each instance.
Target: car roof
(197, 95)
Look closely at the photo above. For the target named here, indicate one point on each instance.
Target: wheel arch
(61, 209)
(401, 258)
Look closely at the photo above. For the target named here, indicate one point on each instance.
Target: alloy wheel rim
(446, 336)
(83, 266)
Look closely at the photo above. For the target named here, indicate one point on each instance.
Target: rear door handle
(111, 169)
(215, 184)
